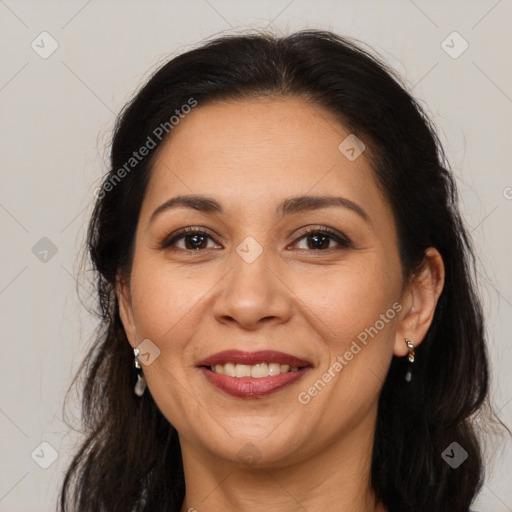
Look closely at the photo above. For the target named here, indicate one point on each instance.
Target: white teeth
(260, 370)
(255, 371)
(242, 370)
(229, 369)
(275, 368)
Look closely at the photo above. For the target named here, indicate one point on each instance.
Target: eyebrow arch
(289, 206)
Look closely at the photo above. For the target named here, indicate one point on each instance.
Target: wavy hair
(130, 458)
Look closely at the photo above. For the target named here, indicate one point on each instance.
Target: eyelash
(342, 240)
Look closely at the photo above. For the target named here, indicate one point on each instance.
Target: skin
(250, 155)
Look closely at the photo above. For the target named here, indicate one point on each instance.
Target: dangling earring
(410, 346)
(140, 385)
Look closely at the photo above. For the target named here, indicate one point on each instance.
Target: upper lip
(250, 358)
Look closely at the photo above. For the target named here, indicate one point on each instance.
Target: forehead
(258, 151)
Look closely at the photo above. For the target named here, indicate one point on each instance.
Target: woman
(289, 320)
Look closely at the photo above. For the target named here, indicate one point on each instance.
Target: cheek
(352, 298)
(358, 309)
(165, 310)
(356, 314)
(165, 305)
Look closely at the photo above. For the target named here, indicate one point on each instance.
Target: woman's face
(258, 282)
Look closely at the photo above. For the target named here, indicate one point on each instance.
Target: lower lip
(247, 387)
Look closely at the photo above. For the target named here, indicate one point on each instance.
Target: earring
(410, 346)
(140, 385)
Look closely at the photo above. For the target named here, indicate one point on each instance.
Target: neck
(336, 478)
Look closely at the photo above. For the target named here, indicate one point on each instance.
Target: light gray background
(56, 118)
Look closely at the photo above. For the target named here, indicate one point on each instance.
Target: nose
(253, 293)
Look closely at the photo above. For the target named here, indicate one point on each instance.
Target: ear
(419, 301)
(125, 308)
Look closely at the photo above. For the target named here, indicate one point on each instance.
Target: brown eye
(320, 239)
(193, 240)
(197, 241)
(316, 240)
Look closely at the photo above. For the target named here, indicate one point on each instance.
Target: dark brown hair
(130, 459)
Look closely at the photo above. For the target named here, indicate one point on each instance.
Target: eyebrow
(289, 206)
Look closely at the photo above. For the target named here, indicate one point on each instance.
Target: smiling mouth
(252, 374)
